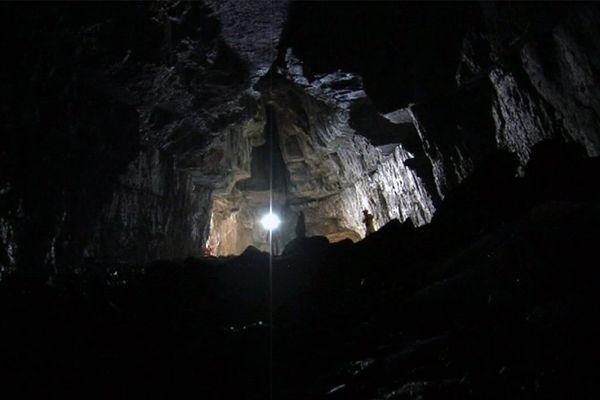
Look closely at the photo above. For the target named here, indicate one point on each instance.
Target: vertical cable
(271, 133)
(270, 128)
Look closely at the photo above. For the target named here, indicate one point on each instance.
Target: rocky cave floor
(495, 299)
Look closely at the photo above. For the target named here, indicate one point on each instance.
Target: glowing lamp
(270, 221)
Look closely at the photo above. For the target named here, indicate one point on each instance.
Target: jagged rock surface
(252, 29)
(547, 67)
(350, 170)
(325, 133)
(141, 129)
(148, 108)
(130, 129)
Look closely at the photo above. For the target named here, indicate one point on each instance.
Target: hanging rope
(271, 132)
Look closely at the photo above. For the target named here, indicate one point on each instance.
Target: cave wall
(480, 76)
(543, 66)
(569, 83)
(127, 126)
(525, 74)
(119, 122)
(155, 212)
(330, 168)
(520, 75)
(335, 170)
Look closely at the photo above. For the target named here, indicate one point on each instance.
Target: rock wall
(544, 73)
(524, 75)
(130, 129)
(252, 29)
(156, 212)
(119, 121)
(569, 83)
(325, 132)
(335, 170)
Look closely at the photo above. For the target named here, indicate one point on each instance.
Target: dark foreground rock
(501, 307)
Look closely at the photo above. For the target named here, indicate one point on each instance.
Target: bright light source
(270, 221)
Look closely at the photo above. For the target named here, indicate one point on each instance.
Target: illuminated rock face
(201, 119)
(139, 138)
(330, 170)
(339, 155)
(335, 169)
(140, 116)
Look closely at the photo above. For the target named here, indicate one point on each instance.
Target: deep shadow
(495, 301)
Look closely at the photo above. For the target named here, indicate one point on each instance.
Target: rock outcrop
(544, 67)
(141, 131)
(127, 128)
(338, 156)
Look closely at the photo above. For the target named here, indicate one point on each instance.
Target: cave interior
(142, 143)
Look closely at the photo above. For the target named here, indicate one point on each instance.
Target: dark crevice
(386, 43)
(266, 161)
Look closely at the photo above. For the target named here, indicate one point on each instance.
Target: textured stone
(150, 104)
(450, 162)
(252, 29)
(145, 125)
(544, 73)
(344, 165)
(332, 170)
(521, 119)
(567, 83)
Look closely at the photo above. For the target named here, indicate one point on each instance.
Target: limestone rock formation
(138, 140)
(137, 131)
(331, 169)
(252, 29)
(545, 70)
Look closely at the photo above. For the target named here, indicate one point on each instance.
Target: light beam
(270, 221)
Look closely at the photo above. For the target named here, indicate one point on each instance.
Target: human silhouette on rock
(301, 226)
(368, 221)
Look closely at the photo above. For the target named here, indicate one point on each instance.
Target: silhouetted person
(300, 226)
(368, 221)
